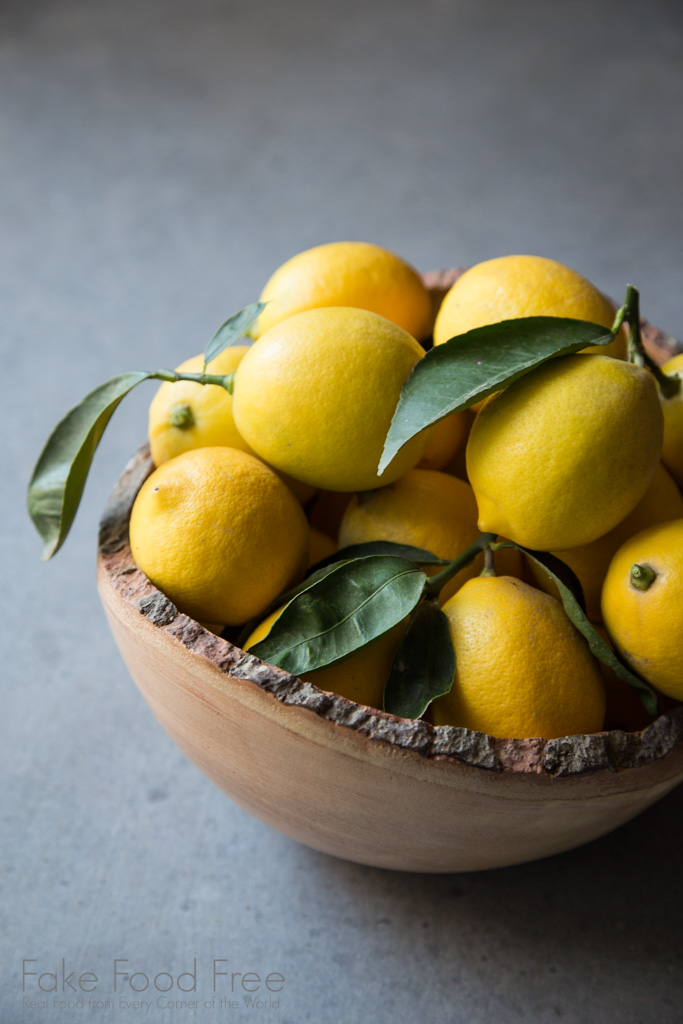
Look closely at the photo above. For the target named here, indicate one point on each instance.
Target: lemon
(314, 397)
(672, 450)
(522, 669)
(184, 415)
(565, 452)
(662, 501)
(360, 678)
(510, 287)
(425, 508)
(219, 533)
(642, 605)
(348, 274)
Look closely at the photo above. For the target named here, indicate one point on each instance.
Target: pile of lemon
(581, 457)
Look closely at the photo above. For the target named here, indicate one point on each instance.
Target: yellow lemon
(662, 501)
(219, 533)
(425, 508)
(348, 274)
(522, 669)
(315, 395)
(185, 415)
(672, 450)
(360, 678)
(510, 287)
(566, 452)
(642, 605)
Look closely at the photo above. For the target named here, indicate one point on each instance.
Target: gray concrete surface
(158, 160)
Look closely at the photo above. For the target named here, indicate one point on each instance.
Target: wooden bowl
(355, 782)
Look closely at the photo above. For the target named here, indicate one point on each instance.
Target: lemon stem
(436, 583)
(630, 311)
(172, 377)
(489, 566)
(181, 416)
(642, 576)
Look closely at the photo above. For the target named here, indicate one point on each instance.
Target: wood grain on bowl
(355, 782)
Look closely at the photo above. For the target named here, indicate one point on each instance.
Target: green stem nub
(642, 576)
(181, 416)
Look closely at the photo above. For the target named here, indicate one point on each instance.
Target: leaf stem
(489, 566)
(436, 583)
(630, 311)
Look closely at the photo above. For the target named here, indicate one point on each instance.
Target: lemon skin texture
(566, 452)
(646, 626)
(672, 450)
(661, 502)
(425, 508)
(348, 274)
(522, 669)
(208, 410)
(510, 287)
(219, 533)
(360, 678)
(315, 395)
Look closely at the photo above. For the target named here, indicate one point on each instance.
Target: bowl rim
(568, 756)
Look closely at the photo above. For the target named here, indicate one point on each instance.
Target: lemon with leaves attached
(348, 274)
(522, 669)
(662, 501)
(642, 605)
(564, 453)
(510, 287)
(360, 678)
(185, 415)
(219, 533)
(315, 395)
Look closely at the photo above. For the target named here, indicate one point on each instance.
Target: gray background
(157, 161)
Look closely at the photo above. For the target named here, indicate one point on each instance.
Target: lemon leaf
(472, 366)
(382, 547)
(345, 610)
(561, 574)
(58, 480)
(235, 327)
(424, 664)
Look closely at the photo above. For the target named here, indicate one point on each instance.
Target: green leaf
(382, 547)
(424, 664)
(56, 486)
(235, 327)
(575, 612)
(349, 607)
(471, 366)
